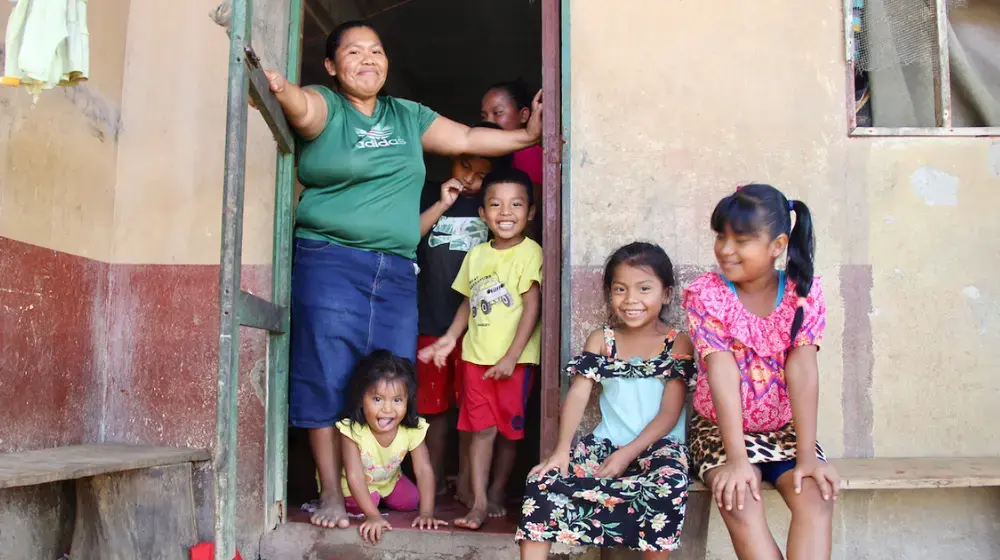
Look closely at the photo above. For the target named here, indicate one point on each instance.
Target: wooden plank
(694, 535)
(36, 521)
(900, 474)
(230, 270)
(146, 514)
(259, 313)
(890, 473)
(920, 132)
(551, 222)
(267, 103)
(28, 468)
(276, 400)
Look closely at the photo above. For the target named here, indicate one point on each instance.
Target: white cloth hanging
(47, 44)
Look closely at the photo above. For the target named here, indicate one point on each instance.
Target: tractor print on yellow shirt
(488, 291)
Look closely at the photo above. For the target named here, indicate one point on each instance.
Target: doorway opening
(446, 54)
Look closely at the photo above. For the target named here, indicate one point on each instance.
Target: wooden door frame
(552, 223)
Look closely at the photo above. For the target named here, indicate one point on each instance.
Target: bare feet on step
(331, 512)
(496, 506)
(464, 497)
(472, 520)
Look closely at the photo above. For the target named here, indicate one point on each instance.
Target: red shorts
(490, 402)
(437, 388)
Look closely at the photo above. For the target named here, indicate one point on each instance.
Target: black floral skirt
(643, 509)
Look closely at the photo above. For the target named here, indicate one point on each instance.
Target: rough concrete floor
(301, 541)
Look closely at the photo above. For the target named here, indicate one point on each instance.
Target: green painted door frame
(238, 308)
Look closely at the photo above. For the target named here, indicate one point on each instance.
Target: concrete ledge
(301, 541)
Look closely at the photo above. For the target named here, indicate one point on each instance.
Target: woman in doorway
(354, 279)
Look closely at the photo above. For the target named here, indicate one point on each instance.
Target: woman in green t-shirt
(354, 279)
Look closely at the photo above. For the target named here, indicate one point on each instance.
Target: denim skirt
(345, 304)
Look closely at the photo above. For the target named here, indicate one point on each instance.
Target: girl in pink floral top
(757, 331)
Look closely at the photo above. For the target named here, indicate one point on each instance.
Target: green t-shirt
(363, 176)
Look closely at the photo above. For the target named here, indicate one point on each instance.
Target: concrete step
(302, 541)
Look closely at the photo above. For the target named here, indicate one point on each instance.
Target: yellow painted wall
(673, 104)
(128, 167)
(168, 203)
(58, 156)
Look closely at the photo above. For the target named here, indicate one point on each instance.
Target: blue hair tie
(791, 205)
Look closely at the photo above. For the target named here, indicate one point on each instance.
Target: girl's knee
(810, 503)
(815, 508)
(751, 514)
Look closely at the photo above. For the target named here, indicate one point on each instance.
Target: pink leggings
(404, 497)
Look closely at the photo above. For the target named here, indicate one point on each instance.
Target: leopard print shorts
(707, 451)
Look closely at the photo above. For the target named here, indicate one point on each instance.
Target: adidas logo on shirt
(377, 137)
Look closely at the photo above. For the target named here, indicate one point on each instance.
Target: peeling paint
(257, 379)
(936, 187)
(971, 292)
(102, 114)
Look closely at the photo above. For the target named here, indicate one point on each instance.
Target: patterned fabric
(382, 464)
(632, 390)
(642, 510)
(664, 366)
(720, 323)
(707, 451)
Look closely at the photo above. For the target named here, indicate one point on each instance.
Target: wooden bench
(125, 502)
(857, 474)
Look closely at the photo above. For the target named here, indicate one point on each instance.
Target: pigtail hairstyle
(801, 252)
(756, 207)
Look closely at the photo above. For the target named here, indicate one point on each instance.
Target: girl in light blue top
(626, 483)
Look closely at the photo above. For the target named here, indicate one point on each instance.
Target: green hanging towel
(47, 44)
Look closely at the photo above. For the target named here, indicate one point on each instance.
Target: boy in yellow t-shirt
(500, 280)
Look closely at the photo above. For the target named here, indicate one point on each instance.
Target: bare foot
(472, 520)
(464, 498)
(495, 506)
(331, 512)
(496, 510)
(442, 488)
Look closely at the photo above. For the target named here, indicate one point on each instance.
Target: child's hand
(502, 370)
(822, 472)
(372, 528)
(615, 464)
(427, 522)
(559, 460)
(730, 484)
(450, 190)
(439, 351)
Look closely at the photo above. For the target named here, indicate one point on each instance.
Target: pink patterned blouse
(719, 322)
